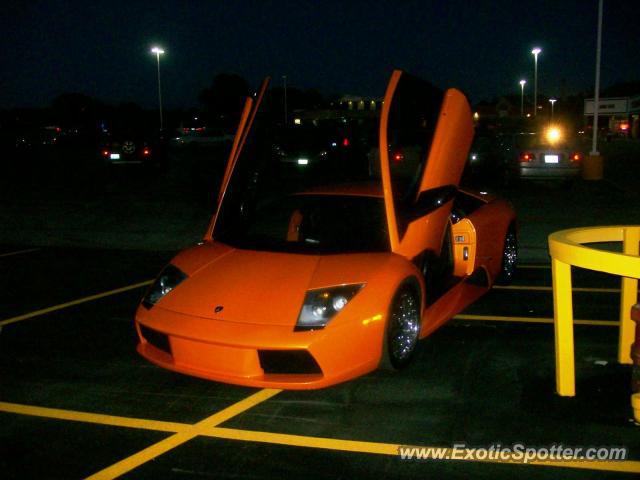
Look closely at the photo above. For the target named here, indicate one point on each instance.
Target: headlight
(321, 305)
(168, 279)
(553, 134)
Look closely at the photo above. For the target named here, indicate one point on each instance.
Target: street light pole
(593, 166)
(552, 101)
(596, 96)
(158, 51)
(536, 51)
(522, 84)
(284, 80)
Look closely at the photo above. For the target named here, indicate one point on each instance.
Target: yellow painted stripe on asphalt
(208, 428)
(497, 318)
(181, 437)
(628, 466)
(143, 456)
(304, 441)
(550, 289)
(55, 308)
(18, 252)
(100, 419)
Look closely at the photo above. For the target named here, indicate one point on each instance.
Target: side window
(463, 205)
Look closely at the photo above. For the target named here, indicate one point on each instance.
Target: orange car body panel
(451, 142)
(446, 160)
(385, 171)
(237, 304)
(464, 248)
(210, 346)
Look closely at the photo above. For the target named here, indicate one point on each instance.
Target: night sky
(483, 47)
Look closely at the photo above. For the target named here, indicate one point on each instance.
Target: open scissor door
(424, 139)
(247, 119)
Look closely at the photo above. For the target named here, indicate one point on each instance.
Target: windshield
(308, 223)
(275, 175)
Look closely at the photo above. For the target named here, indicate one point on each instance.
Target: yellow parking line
(536, 288)
(44, 311)
(627, 466)
(208, 428)
(18, 252)
(497, 318)
(181, 437)
(96, 418)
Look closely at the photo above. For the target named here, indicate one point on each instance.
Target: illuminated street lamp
(522, 84)
(159, 51)
(536, 51)
(552, 101)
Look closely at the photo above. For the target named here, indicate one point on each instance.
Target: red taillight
(576, 157)
(398, 157)
(345, 142)
(527, 157)
(146, 152)
(105, 153)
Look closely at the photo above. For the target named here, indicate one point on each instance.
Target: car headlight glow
(170, 277)
(321, 305)
(553, 134)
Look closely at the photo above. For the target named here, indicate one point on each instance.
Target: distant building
(621, 114)
(502, 108)
(346, 108)
(349, 102)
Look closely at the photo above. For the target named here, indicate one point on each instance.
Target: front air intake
(156, 339)
(288, 361)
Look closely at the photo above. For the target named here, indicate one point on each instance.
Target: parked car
(37, 137)
(485, 163)
(201, 136)
(327, 145)
(547, 155)
(307, 284)
(132, 146)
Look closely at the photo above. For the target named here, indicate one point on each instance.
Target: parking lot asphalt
(77, 401)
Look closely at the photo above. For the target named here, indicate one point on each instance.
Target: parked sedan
(549, 155)
(307, 286)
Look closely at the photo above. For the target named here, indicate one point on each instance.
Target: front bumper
(239, 353)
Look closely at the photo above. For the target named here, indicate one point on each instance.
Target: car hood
(262, 288)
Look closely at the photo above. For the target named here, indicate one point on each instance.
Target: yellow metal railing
(567, 248)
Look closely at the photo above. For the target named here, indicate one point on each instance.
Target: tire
(403, 329)
(509, 257)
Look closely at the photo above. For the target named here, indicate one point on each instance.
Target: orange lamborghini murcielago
(321, 269)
